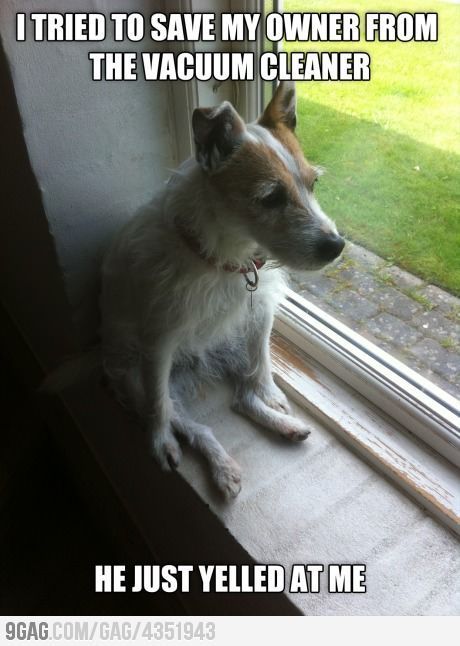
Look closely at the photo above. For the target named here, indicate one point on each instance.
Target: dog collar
(252, 266)
(258, 263)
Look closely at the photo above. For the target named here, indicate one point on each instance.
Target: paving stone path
(416, 322)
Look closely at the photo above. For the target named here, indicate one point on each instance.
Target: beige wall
(97, 149)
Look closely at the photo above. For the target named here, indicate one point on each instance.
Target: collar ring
(252, 284)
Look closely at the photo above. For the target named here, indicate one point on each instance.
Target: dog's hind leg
(225, 471)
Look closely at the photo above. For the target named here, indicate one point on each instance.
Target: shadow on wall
(98, 151)
(31, 287)
(394, 195)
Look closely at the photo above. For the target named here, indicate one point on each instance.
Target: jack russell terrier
(175, 306)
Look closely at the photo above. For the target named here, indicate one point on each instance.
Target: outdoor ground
(391, 146)
(414, 321)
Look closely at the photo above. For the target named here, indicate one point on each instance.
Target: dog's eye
(275, 199)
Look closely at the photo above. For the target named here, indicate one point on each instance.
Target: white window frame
(405, 399)
(416, 403)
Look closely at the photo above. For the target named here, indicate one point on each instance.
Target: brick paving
(417, 322)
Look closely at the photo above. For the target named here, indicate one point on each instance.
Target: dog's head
(265, 181)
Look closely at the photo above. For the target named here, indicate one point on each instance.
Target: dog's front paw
(227, 476)
(249, 403)
(295, 429)
(166, 450)
(274, 397)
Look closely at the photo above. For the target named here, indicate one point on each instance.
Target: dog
(191, 284)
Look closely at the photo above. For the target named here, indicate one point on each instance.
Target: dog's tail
(73, 370)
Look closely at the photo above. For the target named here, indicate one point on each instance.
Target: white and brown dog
(175, 306)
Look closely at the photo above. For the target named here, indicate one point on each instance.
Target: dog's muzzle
(330, 247)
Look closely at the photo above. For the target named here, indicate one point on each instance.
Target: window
(340, 320)
(386, 317)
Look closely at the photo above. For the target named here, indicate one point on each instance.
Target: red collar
(194, 245)
(258, 263)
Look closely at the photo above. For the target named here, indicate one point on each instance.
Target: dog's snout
(331, 247)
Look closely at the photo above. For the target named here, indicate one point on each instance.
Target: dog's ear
(217, 132)
(282, 107)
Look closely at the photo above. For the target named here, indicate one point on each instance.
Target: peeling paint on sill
(373, 437)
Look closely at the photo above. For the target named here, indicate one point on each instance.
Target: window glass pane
(391, 151)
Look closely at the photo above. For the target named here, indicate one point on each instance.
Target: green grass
(448, 343)
(391, 146)
(413, 293)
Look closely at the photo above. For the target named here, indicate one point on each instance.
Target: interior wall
(30, 281)
(98, 150)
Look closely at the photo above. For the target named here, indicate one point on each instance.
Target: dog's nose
(331, 247)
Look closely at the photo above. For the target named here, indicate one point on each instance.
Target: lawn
(391, 146)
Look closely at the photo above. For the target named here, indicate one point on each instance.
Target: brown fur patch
(281, 108)
(288, 139)
(252, 165)
(279, 119)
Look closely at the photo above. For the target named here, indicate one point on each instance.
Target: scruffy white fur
(171, 319)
